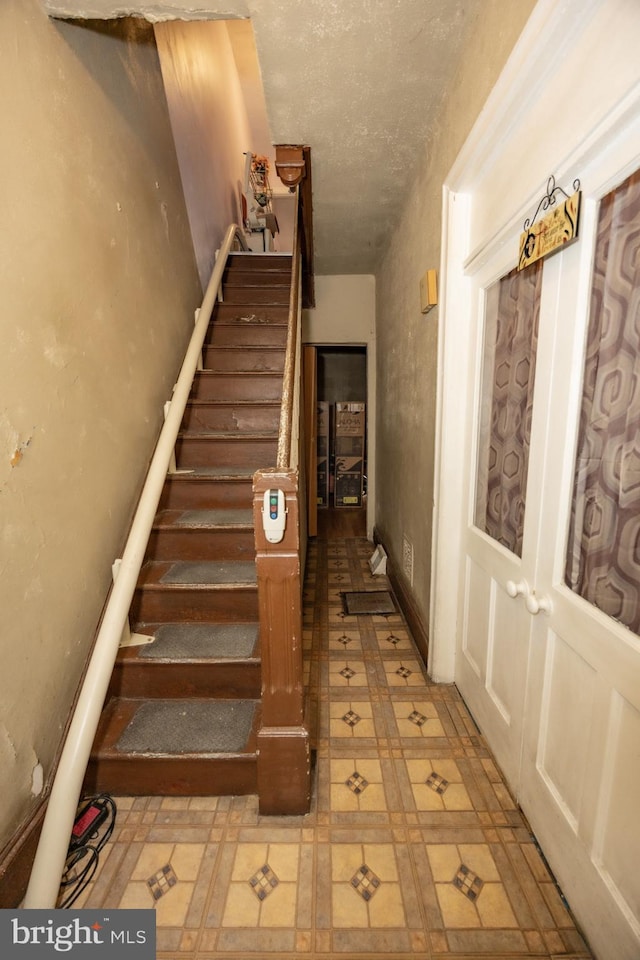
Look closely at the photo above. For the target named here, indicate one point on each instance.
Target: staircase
(183, 712)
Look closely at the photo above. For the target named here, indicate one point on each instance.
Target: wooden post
(284, 769)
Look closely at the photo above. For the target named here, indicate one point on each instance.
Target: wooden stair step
(276, 293)
(252, 314)
(202, 534)
(166, 747)
(246, 260)
(231, 415)
(242, 450)
(178, 573)
(173, 592)
(224, 518)
(207, 489)
(190, 660)
(208, 385)
(264, 277)
(234, 333)
(244, 359)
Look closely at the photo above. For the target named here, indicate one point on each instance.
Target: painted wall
(345, 312)
(407, 339)
(99, 285)
(216, 103)
(210, 125)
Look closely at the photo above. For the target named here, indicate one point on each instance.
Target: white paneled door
(548, 653)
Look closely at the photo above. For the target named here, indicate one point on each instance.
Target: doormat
(367, 602)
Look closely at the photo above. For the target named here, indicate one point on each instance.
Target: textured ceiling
(359, 81)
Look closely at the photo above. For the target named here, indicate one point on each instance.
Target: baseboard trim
(16, 860)
(412, 615)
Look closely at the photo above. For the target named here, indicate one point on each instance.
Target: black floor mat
(368, 602)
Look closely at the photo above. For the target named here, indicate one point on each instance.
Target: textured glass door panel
(509, 359)
(603, 552)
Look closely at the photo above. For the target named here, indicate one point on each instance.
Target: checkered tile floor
(413, 847)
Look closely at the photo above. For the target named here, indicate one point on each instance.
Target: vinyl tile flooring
(413, 848)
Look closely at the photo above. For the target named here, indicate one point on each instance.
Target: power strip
(87, 822)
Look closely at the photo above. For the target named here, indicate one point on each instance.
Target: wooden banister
(293, 166)
(284, 767)
(290, 378)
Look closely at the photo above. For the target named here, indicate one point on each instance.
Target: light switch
(428, 290)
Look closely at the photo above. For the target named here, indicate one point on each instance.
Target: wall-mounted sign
(558, 228)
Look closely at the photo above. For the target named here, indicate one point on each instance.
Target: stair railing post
(284, 767)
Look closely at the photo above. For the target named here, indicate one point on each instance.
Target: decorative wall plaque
(553, 231)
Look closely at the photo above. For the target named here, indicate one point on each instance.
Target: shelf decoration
(556, 229)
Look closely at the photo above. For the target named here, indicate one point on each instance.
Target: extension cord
(87, 822)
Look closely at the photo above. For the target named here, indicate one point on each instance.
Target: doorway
(341, 439)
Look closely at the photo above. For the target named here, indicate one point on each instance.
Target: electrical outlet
(407, 559)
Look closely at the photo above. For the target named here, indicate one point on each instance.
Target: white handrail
(51, 854)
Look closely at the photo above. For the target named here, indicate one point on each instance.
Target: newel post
(284, 769)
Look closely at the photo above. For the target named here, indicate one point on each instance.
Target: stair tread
(233, 281)
(281, 298)
(208, 519)
(248, 321)
(213, 473)
(233, 403)
(196, 642)
(229, 435)
(178, 728)
(251, 314)
(239, 373)
(262, 347)
(262, 256)
(212, 575)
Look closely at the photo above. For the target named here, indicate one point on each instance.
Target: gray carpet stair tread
(215, 518)
(210, 572)
(202, 641)
(170, 727)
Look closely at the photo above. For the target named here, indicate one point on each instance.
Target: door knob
(517, 589)
(536, 605)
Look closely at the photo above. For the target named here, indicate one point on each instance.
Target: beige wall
(216, 104)
(210, 123)
(99, 285)
(344, 311)
(407, 339)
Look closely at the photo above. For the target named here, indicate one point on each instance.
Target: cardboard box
(323, 410)
(350, 419)
(322, 454)
(348, 489)
(349, 447)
